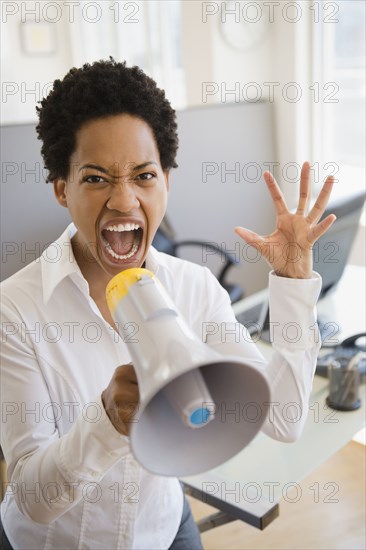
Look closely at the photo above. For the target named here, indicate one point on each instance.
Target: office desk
(249, 486)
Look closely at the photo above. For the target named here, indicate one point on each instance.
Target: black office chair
(164, 242)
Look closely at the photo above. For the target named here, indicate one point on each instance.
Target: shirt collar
(58, 262)
(152, 260)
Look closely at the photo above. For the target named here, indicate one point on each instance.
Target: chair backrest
(163, 242)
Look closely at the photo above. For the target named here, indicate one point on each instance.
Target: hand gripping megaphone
(197, 408)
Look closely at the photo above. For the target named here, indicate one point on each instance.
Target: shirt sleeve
(47, 472)
(295, 342)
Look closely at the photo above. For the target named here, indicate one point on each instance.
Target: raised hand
(289, 248)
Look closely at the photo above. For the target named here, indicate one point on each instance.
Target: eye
(94, 179)
(146, 176)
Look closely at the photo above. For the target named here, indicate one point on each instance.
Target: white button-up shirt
(73, 482)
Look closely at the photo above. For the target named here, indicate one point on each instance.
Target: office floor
(306, 523)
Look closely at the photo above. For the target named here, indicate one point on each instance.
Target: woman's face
(116, 193)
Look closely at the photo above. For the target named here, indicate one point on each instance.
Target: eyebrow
(105, 171)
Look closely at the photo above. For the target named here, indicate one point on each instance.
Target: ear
(59, 188)
(166, 175)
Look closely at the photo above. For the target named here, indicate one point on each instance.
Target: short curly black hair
(105, 87)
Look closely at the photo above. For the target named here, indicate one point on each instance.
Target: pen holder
(344, 383)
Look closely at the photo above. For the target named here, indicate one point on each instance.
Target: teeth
(125, 256)
(123, 227)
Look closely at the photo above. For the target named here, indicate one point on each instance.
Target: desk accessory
(344, 384)
(351, 348)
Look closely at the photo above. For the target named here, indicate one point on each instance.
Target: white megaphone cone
(197, 408)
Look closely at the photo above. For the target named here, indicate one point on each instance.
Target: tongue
(120, 241)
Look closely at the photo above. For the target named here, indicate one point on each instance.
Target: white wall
(282, 56)
(27, 77)
(142, 33)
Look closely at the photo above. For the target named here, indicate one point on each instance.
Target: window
(147, 34)
(339, 58)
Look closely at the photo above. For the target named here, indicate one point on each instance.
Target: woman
(109, 142)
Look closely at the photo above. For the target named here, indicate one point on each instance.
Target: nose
(123, 197)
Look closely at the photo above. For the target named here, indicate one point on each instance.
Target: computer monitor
(332, 250)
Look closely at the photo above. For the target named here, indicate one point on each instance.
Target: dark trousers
(188, 536)
(4, 543)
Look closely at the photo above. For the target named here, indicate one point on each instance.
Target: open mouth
(122, 241)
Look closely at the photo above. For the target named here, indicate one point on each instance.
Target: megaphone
(197, 408)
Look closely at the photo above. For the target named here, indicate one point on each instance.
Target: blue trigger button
(199, 416)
